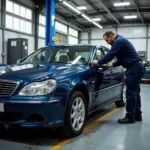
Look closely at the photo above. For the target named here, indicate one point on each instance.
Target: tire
(122, 102)
(70, 127)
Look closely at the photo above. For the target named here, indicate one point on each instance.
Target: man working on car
(126, 56)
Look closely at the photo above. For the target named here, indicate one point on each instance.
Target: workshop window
(60, 27)
(73, 32)
(18, 17)
(18, 10)
(42, 20)
(16, 24)
(73, 36)
(42, 23)
(73, 40)
(9, 21)
(62, 38)
(22, 12)
(22, 26)
(9, 6)
(41, 31)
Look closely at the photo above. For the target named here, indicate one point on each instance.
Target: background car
(57, 87)
(146, 76)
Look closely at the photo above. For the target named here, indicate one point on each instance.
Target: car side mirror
(19, 61)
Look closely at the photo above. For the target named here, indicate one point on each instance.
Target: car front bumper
(32, 113)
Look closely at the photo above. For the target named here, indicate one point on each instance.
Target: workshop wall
(138, 35)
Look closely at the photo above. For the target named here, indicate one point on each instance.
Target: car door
(116, 76)
(102, 81)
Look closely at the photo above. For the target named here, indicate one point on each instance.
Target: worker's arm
(115, 49)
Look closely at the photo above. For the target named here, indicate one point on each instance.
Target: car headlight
(38, 88)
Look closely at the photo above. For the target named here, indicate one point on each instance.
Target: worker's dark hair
(108, 34)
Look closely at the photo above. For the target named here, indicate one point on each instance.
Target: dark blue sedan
(57, 87)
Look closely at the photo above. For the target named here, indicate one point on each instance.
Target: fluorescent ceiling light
(87, 18)
(130, 17)
(92, 21)
(122, 4)
(98, 25)
(81, 7)
(68, 5)
(96, 19)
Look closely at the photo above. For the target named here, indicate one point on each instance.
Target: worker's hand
(94, 62)
(109, 64)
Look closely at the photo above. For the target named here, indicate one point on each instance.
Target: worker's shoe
(126, 120)
(138, 118)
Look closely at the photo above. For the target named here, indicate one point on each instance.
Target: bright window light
(9, 6)
(122, 4)
(68, 5)
(81, 8)
(9, 21)
(16, 23)
(130, 17)
(22, 26)
(96, 19)
(16, 9)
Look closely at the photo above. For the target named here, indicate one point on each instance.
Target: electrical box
(17, 49)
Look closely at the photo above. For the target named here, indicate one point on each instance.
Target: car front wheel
(75, 116)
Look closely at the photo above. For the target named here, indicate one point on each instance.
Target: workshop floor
(101, 133)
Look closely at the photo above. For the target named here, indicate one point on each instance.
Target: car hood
(38, 71)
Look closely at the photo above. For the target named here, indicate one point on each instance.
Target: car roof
(90, 45)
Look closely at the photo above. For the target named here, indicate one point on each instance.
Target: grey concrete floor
(106, 135)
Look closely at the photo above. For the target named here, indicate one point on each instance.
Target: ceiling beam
(94, 7)
(108, 11)
(136, 4)
(72, 15)
(121, 23)
(103, 12)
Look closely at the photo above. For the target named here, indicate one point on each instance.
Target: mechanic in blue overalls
(126, 56)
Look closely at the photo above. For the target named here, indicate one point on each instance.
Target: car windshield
(67, 55)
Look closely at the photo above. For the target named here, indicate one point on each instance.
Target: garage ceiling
(105, 10)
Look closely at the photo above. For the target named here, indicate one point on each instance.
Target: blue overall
(127, 56)
(134, 75)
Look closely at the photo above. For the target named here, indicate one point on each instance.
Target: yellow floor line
(59, 145)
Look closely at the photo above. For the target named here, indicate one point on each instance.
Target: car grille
(7, 87)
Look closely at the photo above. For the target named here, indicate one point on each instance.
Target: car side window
(106, 50)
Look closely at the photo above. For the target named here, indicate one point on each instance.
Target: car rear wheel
(75, 116)
(122, 102)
